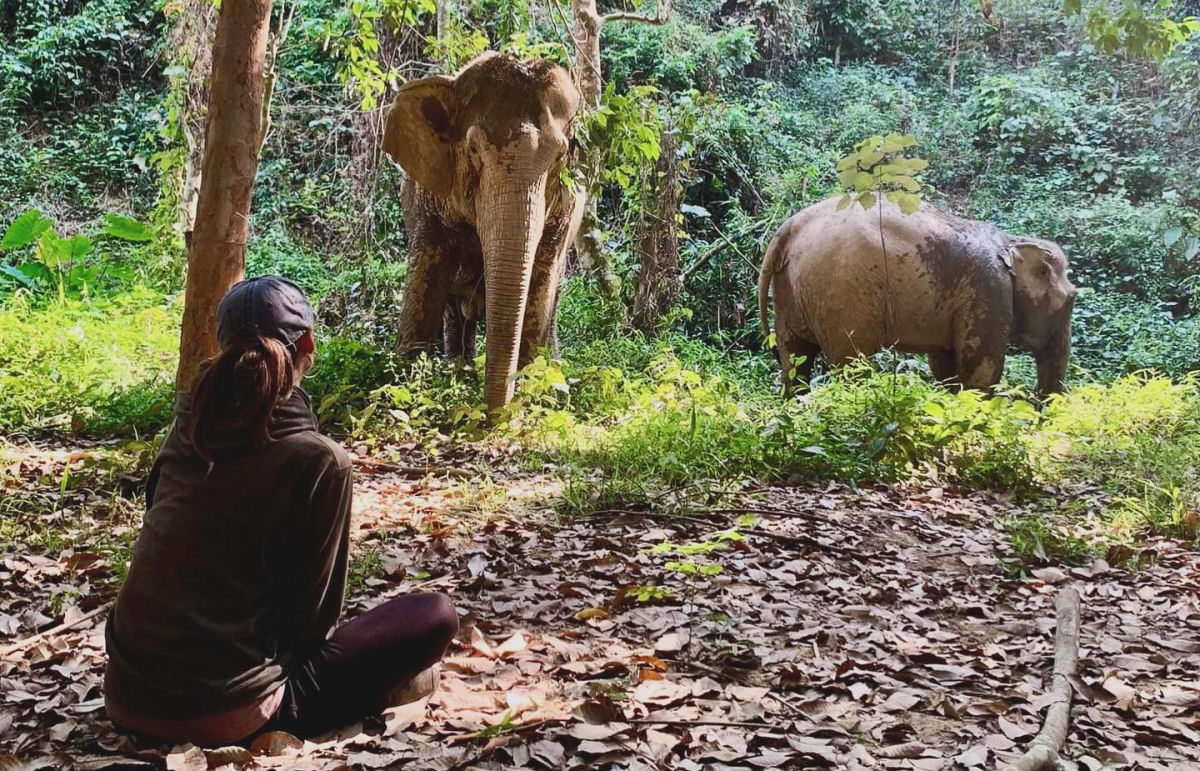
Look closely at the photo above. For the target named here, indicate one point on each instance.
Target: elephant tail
(765, 276)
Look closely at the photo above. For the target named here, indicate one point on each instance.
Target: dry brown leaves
(869, 629)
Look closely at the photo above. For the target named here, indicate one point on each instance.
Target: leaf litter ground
(874, 628)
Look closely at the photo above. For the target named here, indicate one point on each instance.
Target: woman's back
(233, 573)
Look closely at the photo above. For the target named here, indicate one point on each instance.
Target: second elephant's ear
(418, 132)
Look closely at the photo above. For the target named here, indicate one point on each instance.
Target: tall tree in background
(659, 280)
(589, 23)
(217, 257)
(190, 49)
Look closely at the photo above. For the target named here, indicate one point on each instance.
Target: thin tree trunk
(586, 35)
(658, 277)
(954, 46)
(191, 44)
(443, 19)
(216, 260)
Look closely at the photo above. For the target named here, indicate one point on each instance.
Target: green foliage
(62, 262)
(1022, 116)
(104, 366)
(1140, 439)
(1040, 540)
(1115, 335)
(621, 136)
(879, 166)
(1127, 26)
(50, 50)
(459, 44)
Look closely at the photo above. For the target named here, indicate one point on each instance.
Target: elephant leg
(426, 291)
(470, 328)
(454, 325)
(538, 331)
(552, 334)
(941, 364)
(979, 354)
(796, 360)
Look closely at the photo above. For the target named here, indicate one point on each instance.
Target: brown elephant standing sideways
(959, 290)
(488, 217)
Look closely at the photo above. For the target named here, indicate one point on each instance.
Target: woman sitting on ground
(225, 625)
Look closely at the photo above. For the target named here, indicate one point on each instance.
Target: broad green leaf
(50, 249)
(126, 229)
(845, 202)
(867, 200)
(17, 275)
(1172, 236)
(76, 247)
(864, 181)
(25, 229)
(908, 202)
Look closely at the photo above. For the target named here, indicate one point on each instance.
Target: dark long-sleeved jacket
(239, 570)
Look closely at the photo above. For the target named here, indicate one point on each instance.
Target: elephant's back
(845, 274)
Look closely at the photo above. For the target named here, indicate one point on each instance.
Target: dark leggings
(350, 676)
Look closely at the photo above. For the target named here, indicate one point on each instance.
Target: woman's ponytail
(239, 388)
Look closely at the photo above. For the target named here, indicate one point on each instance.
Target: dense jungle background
(1077, 122)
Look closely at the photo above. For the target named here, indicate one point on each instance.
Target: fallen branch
(684, 723)
(23, 644)
(413, 472)
(1042, 754)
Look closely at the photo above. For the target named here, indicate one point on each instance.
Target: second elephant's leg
(941, 364)
(796, 360)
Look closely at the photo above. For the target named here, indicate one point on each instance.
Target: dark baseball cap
(270, 306)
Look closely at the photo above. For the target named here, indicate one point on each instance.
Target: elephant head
(489, 143)
(1042, 301)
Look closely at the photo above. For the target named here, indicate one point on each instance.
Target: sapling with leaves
(694, 561)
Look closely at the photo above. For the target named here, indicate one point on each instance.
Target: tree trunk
(216, 259)
(443, 20)
(587, 51)
(191, 45)
(658, 278)
(956, 10)
(586, 35)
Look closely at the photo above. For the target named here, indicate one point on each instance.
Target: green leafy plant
(879, 166)
(1127, 26)
(61, 260)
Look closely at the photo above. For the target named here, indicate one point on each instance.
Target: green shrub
(104, 365)
(1115, 334)
(1138, 437)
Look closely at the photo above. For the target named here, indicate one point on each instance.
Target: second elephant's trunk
(511, 218)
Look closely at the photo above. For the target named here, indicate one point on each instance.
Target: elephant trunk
(511, 218)
(1052, 357)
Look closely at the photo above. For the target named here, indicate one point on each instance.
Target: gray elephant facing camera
(958, 290)
(489, 219)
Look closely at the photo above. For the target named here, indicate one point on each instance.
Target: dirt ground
(875, 628)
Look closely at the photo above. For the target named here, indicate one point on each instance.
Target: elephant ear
(1035, 269)
(418, 133)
